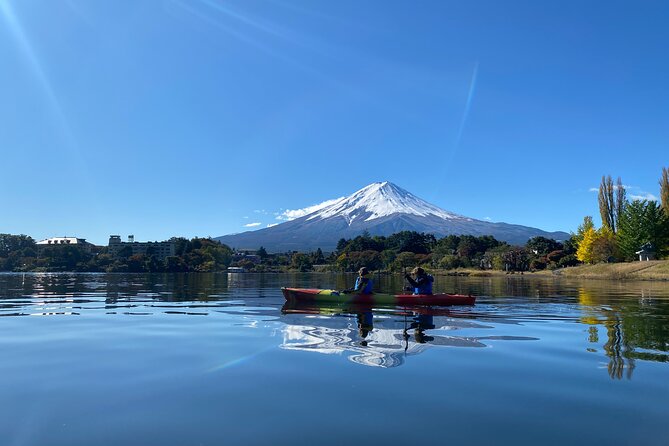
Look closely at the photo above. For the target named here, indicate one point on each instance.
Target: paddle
(404, 278)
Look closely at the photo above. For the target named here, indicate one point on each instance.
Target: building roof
(62, 241)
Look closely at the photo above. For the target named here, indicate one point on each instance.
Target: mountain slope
(380, 209)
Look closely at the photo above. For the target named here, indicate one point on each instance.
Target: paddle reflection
(371, 336)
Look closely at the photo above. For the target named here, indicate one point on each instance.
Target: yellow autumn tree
(584, 252)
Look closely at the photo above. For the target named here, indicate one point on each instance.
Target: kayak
(316, 295)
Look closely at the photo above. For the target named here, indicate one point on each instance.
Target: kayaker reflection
(420, 323)
(421, 282)
(363, 283)
(365, 325)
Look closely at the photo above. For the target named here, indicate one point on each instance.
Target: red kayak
(316, 295)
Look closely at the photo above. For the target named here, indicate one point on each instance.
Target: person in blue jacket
(421, 282)
(363, 284)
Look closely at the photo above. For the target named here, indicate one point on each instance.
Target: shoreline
(653, 270)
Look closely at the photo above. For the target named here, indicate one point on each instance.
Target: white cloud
(269, 225)
(487, 219)
(252, 225)
(615, 186)
(635, 192)
(644, 196)
(292, 214)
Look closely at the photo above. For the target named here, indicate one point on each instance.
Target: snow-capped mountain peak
(380, 209)
(380, 200)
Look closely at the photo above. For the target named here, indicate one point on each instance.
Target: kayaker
(422, 322)
(363, 284)
(421, 282)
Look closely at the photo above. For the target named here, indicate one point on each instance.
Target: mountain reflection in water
(377, 337)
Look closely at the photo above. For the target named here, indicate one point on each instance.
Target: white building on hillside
(60, 241)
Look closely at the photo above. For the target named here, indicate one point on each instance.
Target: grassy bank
(653, 270)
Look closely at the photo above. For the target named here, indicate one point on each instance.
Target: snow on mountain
(378, 200)
(379, 209)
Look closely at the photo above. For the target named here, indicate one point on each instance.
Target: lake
(212, 359)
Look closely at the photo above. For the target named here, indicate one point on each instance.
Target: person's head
(418, 271)
(363, 271)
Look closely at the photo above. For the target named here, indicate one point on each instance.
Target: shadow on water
(626, 321)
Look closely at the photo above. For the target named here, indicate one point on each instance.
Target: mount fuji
(380, 209)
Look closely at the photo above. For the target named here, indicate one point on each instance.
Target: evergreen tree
(621, 201)
(317, 257)
(262, 253)
(582, 229)
(643, 222)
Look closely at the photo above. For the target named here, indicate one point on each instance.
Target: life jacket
(368, 286)
(427, 286)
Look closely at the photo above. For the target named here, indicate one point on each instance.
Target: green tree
(317, 257)
(175, 264)
(300, 262)
(643, 222)
(341, 245)
(262, 253)
(64, 257)
(582, 229)
(516, 259)
(11, 243)
(494, 258)
(365, 242)
(449, 261)
(411, 241)
(404, 260)
(543, 245)
(446, 246)
(604, 246)
(136, 263)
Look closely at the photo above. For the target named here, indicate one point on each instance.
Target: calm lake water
(213, 359)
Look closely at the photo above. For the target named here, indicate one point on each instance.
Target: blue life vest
(368, 287)
(427, 286)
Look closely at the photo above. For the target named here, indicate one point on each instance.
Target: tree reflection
(635, 325)
(618, 349)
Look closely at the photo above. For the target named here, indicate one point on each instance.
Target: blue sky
(198, 117)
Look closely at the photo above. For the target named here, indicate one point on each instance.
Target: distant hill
(380, 209)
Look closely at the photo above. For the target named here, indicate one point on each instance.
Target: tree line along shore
(451, 255)
(631, 230)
